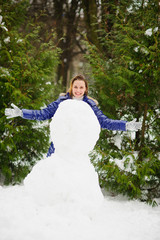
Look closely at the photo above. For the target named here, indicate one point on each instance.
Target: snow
(7, 40)
(1, 19)
(155, 29)
(61, 198)
(126, 163)
(150, 31)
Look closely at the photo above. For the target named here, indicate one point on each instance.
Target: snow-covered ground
(117, 219)
(61, 199)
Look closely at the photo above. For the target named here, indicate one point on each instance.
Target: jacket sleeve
(43, 114)
(104, 121)
(51, 150)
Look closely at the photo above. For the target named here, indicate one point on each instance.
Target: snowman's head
(74, 128)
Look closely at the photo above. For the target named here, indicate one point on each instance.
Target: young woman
(78, 90)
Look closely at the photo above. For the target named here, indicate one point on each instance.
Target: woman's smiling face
(79, 88)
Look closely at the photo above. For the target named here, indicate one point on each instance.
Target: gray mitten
(133, 125)
(13, 112)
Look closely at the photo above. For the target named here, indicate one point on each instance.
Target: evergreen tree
(27, 66)
(128, 83)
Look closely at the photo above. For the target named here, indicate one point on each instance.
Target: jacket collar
(85, 98)
(68, 96)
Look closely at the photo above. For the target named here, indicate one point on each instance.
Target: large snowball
(75, 128)
(67, 180)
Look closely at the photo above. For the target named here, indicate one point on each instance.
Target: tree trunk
(66, 28)
(90, 17)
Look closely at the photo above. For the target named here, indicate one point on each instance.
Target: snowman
(67, 180)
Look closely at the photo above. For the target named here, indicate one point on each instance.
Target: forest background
(116, 45)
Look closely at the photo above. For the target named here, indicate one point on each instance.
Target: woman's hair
(81, 78)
